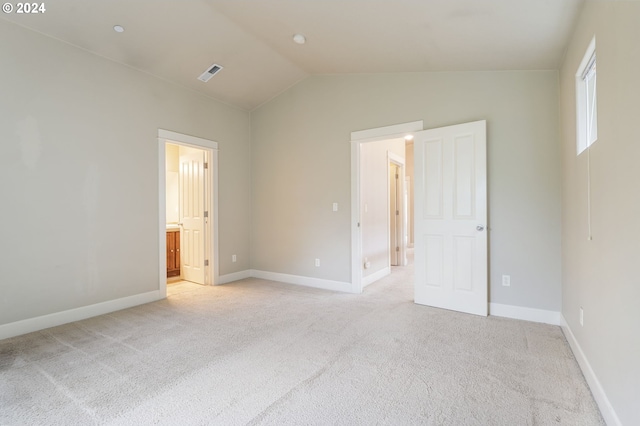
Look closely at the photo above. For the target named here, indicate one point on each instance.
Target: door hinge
(397, 212)
(206, 262)
(206, 214)
(397, 176)
(206, 165)
(397, 248)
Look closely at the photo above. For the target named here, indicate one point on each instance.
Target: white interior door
(450, 217)
(408, 232)
(394, 214)
(192, 214)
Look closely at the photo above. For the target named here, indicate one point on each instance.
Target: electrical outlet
(317, 262)
(233, 258)
(581, 316)
(335, 207)
(506, 280)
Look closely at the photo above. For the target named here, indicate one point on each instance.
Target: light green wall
(601, 275)
(79, 175)
(301, 164)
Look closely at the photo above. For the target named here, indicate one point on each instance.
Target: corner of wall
(59, 318)
(525, 314)
(597, 390)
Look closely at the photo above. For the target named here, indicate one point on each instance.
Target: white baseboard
(522, 313)
(235, 276)
(606, 409)
(304, 281)
(51, 320)
(369, 279)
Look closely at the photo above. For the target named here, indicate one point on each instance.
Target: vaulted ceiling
(252, 39)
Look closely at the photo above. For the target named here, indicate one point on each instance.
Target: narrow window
(586, 100)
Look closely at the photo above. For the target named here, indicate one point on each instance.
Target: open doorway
(382, 170)
(187, 213)
(188, 209)
(449, 189)
(372, 153)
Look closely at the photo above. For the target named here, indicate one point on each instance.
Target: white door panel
(394, 209)
(432, 167)
(192, 200)
(450, 204)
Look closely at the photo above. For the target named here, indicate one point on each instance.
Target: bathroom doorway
(187, 214)
(188, 210)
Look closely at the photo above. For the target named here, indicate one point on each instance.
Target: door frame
(357, 138)
(211, 203)
(400, 163)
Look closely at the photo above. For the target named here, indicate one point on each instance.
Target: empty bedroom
(353, 213)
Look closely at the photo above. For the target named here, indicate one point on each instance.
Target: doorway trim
(357, 138)
(211, 199)
(400, 163)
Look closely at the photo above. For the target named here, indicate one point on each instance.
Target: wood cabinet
(173, 253)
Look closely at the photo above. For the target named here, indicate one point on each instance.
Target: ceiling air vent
(210, 72)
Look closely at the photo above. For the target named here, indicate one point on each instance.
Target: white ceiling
(252, 39)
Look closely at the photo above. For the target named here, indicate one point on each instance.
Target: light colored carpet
(263, 353)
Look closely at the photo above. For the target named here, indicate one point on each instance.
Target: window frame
(587, 100)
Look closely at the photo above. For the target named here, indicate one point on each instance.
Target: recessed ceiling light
(408, 138)
(118, 28)
(300, 39)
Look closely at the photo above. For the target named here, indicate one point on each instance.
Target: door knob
(480, 228)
